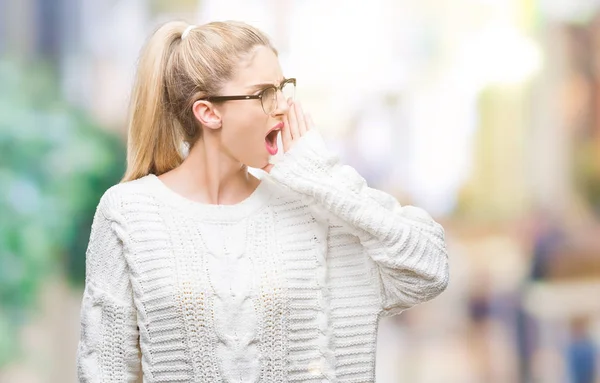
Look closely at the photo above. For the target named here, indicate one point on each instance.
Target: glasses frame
(255, 96)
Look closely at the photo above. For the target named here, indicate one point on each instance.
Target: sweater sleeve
(108, 349)
(406, 244)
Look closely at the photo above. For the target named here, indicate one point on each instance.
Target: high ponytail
(152, 144)
(172, 74)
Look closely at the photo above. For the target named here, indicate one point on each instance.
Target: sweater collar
(212, 212)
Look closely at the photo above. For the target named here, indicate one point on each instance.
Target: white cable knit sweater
(286, 286)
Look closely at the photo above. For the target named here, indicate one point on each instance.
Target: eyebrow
(265, 85)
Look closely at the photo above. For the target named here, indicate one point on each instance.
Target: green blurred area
(55, 163)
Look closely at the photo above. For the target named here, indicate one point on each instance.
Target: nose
(282, 106)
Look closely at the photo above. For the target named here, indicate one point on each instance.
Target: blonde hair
(173, 72)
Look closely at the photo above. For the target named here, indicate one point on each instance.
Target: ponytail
(153, 144)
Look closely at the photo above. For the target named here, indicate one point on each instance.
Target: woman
(199, 272)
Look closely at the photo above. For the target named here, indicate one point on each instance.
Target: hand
(295, 124)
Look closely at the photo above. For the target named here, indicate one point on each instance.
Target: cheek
(243, 132)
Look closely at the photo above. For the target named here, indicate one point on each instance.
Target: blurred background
(484, 112)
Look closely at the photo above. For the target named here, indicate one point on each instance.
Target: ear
(206, 113)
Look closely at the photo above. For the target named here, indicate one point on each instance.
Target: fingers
(286, 134)
(309, 122)
(300, 118)
(293, 122)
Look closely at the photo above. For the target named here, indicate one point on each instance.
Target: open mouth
(271, 139)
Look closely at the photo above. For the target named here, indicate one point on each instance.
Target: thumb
(268, 168)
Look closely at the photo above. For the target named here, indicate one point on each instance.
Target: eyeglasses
(267, 96)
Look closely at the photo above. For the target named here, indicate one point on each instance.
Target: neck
(211, 176)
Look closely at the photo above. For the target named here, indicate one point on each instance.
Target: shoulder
(118, 198)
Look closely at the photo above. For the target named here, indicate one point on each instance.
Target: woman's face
(247, 133)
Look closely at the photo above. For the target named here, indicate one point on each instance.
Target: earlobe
(206, 113)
